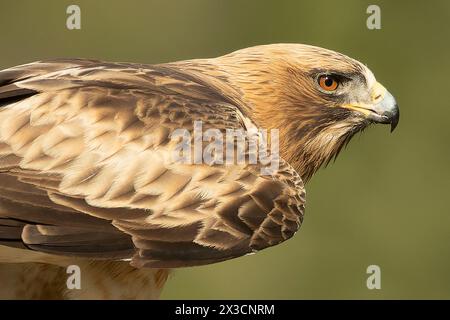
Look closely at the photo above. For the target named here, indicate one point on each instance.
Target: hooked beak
(383, 109)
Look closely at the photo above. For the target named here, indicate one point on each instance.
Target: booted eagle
(86, 176)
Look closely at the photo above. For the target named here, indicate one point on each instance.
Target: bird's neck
(308, 149)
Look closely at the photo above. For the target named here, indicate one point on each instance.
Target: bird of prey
(86, 178)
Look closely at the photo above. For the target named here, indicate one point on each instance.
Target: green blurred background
(386, 199)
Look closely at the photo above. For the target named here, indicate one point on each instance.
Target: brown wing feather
(85, 153)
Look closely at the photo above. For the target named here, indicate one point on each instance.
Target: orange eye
(328, 83)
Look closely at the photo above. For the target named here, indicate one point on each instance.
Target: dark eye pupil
(329, 82)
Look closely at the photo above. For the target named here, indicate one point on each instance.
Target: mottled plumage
(85, 166)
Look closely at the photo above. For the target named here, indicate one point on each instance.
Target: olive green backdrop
(386, 199)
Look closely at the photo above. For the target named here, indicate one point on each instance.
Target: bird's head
(317, 98)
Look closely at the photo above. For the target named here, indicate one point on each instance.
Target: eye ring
(328, 82)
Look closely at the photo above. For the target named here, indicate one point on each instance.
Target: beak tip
(392, 127)
(395, 118)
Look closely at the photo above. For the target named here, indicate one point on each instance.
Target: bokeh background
(386, 201)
